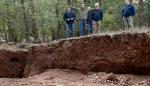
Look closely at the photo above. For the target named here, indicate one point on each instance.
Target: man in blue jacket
(97, 17)
(69, 17)
(128, 12)
(89, 21)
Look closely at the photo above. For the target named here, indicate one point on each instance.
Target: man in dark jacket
(128, 12)
(89, 21)
(69, 17)
(97, 17)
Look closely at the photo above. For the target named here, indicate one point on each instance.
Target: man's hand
(68, 19)
(72, 18)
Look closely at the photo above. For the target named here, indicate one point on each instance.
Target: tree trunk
(33, 27)
(4, 29)
(11, 33)
(140, 13)
(148, 13)
(25, 21)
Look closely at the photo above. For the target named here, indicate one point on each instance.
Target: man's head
(128, 2)
(97, 5)
(68, 9)
(83, 6)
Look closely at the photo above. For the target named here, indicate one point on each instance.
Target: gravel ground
(63, 77)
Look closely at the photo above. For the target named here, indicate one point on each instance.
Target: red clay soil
(12, 63)
(119, 53)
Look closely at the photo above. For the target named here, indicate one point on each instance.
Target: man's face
(97, 6)
(83, 6)
(127, 1)
(68, 9)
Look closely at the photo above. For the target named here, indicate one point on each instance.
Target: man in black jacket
(89, 21)
(97, 17)
(69, 17)
(128, 12)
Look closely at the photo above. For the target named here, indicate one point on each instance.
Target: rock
(112, 78)
(11, 43)
(2, 40)
(24, 45)
(31, 39)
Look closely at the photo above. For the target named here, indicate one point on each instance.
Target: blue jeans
(82, 26)
(70, 30)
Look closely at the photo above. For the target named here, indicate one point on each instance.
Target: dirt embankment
(12, 63)
(118, 53)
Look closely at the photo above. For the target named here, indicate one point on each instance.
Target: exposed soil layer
(118, 53)
(12, 63)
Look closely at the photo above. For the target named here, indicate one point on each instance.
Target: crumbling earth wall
(118, 53)
(12, 63)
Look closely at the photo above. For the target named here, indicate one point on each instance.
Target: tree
(33, 21)
(25, 20)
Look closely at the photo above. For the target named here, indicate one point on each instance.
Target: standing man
(128, 13)
(97, 17)
(89, 21)
(69, 17)
(82, 18)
